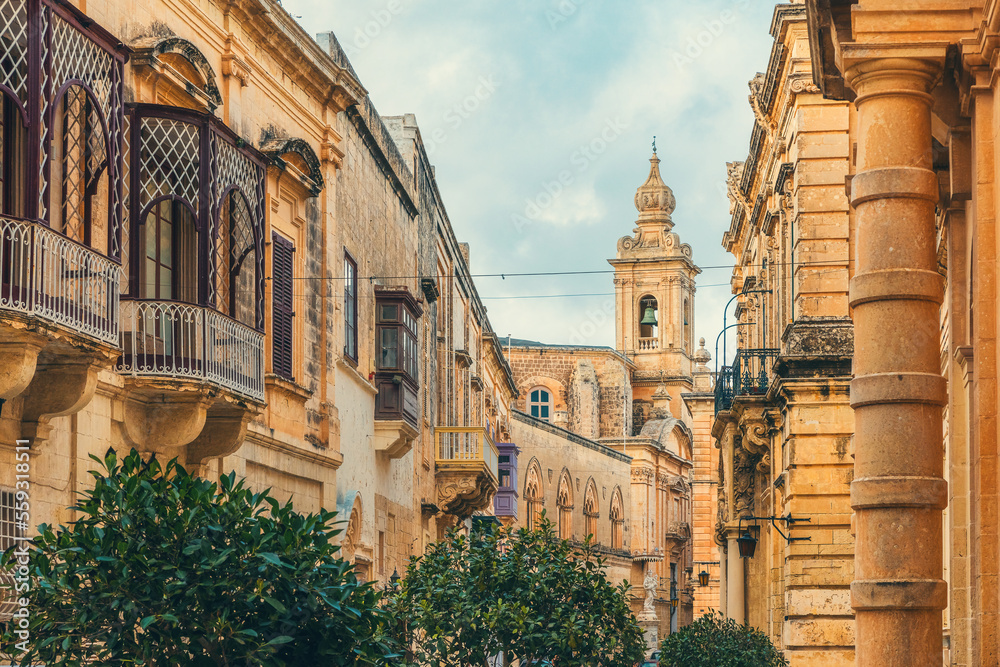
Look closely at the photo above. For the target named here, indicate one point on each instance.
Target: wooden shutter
(282, 251)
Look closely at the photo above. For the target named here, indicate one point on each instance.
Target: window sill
(273, 381)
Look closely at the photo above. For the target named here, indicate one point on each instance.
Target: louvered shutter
(282, 252)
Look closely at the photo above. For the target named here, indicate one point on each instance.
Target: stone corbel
(163, 423)
(233, 65)
(60, 387)
(757, 428)
(224, 431)
(19, 351)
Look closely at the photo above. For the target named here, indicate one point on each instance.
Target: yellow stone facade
(890, 193)
(636, 418)
(252, 271)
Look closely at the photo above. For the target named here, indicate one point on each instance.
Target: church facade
(626, 430)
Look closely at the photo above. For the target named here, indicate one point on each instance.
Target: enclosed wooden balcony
(467, 474)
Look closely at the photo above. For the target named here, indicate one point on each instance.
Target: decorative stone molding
(643, 475)
(461, 492)
(802, 83)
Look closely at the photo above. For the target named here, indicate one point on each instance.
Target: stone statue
(649, 585)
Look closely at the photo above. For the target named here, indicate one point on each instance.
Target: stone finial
(653, 199)
(701, 355)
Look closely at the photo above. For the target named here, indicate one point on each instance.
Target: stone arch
(150, 49)
(616, 513)
(352, 534)
(279, 151)
(534, 493)
(556, 390)
(564, 504)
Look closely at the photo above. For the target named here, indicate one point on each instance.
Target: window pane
(534, 396)
(544, 396)
(390, 356)
(534, 410)
(389, 313)
(545, 411)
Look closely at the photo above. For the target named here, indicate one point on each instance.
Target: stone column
(898, 391)
(735, 582)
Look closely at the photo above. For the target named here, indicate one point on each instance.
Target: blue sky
(512, 95)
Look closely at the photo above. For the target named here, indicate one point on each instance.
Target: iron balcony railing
(748, 376)
(47, 275)
(184, 340)
(466, 447)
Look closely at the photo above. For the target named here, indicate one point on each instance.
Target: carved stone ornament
(643, 475)
(744, 471)
(463, 492)
(802, 84)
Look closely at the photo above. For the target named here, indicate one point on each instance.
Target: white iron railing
(177, 339)
(45, 274)
(466, 444)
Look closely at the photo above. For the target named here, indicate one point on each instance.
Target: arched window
(13, 157)
(540, 403)
(591, 511)
(78, 190)
(236, 260)
(533, 494)
(564, 503)
(649, 317)
(617, 514)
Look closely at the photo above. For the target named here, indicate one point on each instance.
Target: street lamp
(748, 543)
(703, 578)
(394, 579)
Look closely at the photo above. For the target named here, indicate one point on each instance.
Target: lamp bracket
(789, 520)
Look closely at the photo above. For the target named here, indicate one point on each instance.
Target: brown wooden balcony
(467, 473)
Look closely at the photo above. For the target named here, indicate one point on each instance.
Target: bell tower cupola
(654, 294)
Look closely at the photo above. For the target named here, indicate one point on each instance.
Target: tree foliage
(165, 568)
(525, 593)
(715, 641)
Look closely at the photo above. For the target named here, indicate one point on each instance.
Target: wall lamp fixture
(748, 543)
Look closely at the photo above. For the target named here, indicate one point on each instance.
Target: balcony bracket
(462, 492)
(224, 431)
(19, 351)
(162, 422)
(394, 438)
(60, 386)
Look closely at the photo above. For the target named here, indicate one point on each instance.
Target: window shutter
(282, 252)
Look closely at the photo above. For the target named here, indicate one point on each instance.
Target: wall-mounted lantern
(748, 543)
(703, 578)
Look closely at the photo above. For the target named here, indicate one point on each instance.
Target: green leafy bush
(714, 641)
(525, 593)
(165, 568)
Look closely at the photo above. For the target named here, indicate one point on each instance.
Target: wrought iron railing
(175, 339)
(45, 274)
(464, 445)
(749, 375)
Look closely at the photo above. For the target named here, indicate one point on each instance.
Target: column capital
(865, 62)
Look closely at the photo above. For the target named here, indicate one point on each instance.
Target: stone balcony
(59, 321)
(466, 469)
(195, 377)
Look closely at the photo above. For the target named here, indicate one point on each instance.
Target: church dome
(653, 198)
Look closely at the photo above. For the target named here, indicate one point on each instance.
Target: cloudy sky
(511, 93)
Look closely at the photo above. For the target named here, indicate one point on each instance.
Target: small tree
(164, 568)
(720, 642)
(524, 593)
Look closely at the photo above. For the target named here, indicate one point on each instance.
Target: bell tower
(654, 298)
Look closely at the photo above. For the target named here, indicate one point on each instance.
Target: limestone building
(215, 248)
(903, 111)
(629, 428)
(783, 422)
